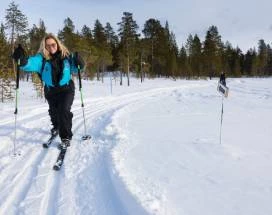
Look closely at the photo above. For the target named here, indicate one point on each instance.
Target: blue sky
(242, 22)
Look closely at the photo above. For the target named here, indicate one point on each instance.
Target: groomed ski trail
(87, 183)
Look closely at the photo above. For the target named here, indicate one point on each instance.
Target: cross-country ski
(60, 159)
(49, 141)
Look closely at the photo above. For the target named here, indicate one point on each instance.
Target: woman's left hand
(79, 61)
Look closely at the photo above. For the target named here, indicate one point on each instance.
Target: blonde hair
(42, 50)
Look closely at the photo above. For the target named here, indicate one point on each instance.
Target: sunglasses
(53, 45)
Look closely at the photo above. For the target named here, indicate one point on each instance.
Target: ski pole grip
(79, 70)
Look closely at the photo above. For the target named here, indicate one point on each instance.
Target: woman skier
(54, 64)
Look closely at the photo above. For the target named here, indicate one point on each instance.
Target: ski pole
(16, 107)
(222, 111)
(85, 136)
(111, 82)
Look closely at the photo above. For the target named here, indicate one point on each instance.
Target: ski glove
(79, 61)
(19, 54)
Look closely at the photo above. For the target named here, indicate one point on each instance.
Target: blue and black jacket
(44, 68)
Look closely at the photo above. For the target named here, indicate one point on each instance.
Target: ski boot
(54, 132)
(65, 143)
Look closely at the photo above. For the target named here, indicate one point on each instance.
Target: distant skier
(54, 64)
(222, 79)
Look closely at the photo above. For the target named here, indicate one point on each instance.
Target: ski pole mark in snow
(101, 177)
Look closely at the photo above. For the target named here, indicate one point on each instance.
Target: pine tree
(142, 59)
(129, 37)
(183, 64)
(152, 31)
(112, 40)
(163, 48)
(172, 66)
(212, 52)
(190, 53)
(196, 58)
(269, 60)
(4, 48)
(16, 23)
(36, 34)
(250, 63)
(68, 35)
(87, 50)
(167, 52)
(6, 84)
(86, 32)
(262, 57)
(236, 62)
(5, 72)
(103, 47)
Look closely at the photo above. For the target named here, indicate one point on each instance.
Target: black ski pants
(60, 101)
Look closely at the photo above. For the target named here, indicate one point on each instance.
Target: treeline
(151, 51)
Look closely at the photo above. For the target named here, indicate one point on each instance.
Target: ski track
(87, 166)
(21, 183)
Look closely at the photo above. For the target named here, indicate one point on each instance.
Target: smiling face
(51, 46)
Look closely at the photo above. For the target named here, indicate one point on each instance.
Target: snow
(155, 149)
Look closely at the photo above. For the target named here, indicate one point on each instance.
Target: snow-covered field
(155, 149)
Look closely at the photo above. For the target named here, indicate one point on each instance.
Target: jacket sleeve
(34, 64)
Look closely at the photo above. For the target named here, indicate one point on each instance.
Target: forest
(149, 52)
